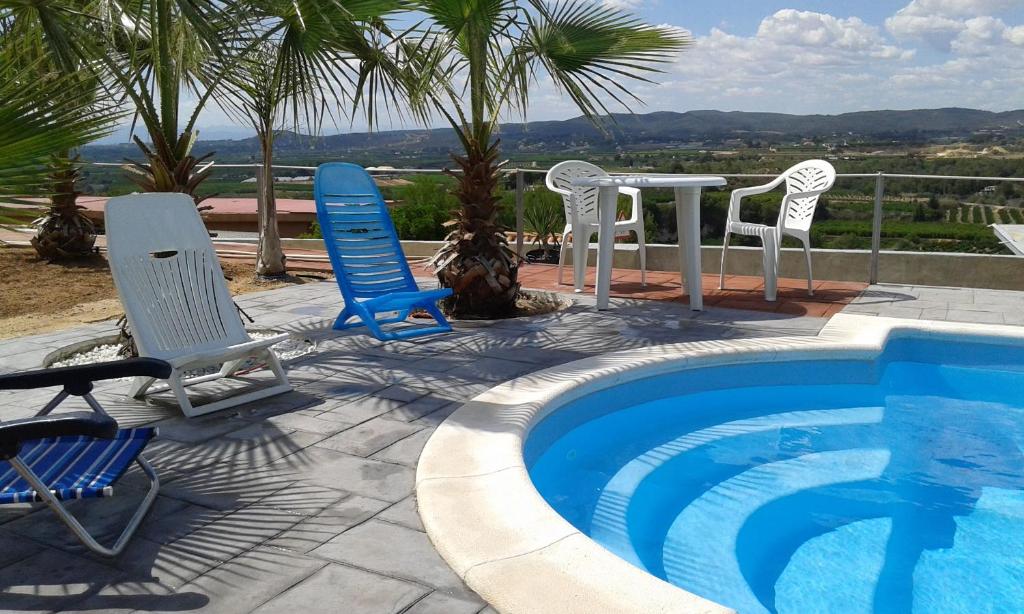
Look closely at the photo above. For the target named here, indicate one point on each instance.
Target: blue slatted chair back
(361, 239)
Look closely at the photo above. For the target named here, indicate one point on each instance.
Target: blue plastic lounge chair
(368, 261)
(75, 455)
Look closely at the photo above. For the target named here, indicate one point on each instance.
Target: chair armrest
(559, 190)
(78, 379)
(87, 424)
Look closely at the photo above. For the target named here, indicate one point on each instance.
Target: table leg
(607, 199)
(688, 225)
(580, 253)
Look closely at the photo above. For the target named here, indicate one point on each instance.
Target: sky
(813, 56)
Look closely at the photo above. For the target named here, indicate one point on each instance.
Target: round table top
(649, 181)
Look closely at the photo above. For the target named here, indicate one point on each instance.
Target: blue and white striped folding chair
(367, 257)
(76, 455)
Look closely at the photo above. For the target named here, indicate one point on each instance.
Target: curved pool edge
(487, 520)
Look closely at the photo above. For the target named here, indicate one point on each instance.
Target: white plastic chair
(581, 208)
(177, 301)
(805, 183)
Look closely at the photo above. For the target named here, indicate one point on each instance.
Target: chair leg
(76, 527)
(438, 316)
(343, 317)
(274, 364)
(139, 387)
(175, 384)
(725, 250)
(771, 266)
(810, 275)
(561, 257)
(641, 240)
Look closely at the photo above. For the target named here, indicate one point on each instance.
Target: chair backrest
(168, 276)
(817, 176)
(361, 240)
(559, 179)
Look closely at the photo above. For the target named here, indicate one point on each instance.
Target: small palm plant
(475, 60)
(29, 59)
(38, 117)
(544, 215)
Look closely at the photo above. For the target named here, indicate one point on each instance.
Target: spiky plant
(38, 117)
(475, 60)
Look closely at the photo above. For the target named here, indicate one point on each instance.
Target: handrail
(879, 177)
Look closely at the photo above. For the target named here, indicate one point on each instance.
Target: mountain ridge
(696, 128)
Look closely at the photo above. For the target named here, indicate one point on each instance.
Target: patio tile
(317, 530)
(407, 451)
(439, 603)
(959, 315)
(323, 467)
(408, 555)
(124, 597)
(337, 588)
(403, 513)
(369, 437)
(52, 580)
(250, 580)
(356, 412)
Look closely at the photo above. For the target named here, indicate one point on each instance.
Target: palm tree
(38, 117)
(148, 52)
(25, 29)
(307, 57)
(491, 52)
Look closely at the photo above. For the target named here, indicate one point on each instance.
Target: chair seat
(73, 467)
(750, 229)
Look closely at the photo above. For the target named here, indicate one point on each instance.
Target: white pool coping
(494, 529)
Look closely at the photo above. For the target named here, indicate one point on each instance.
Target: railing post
(520, 210)
(876, 226)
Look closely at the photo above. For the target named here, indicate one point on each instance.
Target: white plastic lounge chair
(805, 183)
(581, 211)
(177, 302)
(76, 455)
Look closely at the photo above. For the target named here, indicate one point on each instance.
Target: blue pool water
(894, 485)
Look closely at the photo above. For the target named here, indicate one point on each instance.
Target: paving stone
(14, 548)
(244, 583)
(336, 588)
(400, 392)
(417, 409)
(350, 413)
(408, 555)
(52, 580)
(308, 424)
(369, 437)
(408, 450)
(123, 597)
(313, 532)
(404, 513)
(440, 603)
(958, 315)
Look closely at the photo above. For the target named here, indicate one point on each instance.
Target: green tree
(26, 31)
(308, 58)
(474, 60)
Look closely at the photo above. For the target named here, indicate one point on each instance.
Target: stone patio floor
(304, 502)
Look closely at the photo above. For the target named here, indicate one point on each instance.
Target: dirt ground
(37, 297)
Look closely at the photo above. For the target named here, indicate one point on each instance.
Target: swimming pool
(878, 467)
(895, 484)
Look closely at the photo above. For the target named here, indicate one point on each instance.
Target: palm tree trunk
(270, 259)
(477, 262)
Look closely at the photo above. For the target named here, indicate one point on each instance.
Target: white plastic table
(687, 188)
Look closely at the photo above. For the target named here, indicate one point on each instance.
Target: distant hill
(660, 129)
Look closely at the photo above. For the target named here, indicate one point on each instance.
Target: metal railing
(879, 177)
